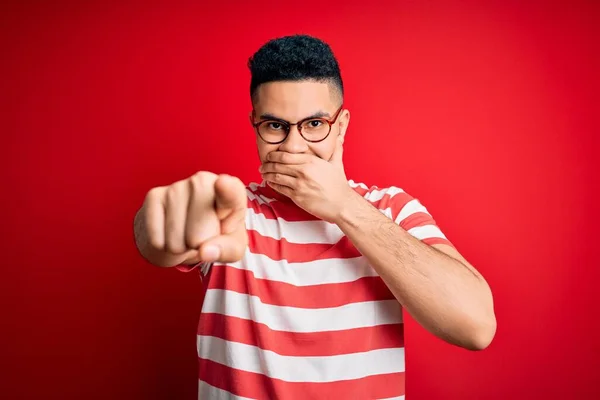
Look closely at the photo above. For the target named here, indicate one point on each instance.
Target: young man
(306, 274)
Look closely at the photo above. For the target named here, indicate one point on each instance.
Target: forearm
(446, 296)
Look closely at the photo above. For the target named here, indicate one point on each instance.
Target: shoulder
(253, 190)
(405, 210)
(380, 197)
(393, 201)
(258, 196)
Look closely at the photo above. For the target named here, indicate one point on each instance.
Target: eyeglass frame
(289, 125)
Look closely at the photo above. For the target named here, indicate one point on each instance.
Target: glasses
(314, 130)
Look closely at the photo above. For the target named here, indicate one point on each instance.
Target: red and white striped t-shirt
(303, 315)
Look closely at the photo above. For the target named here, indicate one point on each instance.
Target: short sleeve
(413, 217)
(186, 268)
(202, 267)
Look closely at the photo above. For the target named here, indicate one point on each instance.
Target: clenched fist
(201, 218)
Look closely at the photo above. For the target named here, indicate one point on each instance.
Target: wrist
(348, 208)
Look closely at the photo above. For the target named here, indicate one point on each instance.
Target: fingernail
(211, 253)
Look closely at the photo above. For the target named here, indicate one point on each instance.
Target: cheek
(323, 150)
(263, 150)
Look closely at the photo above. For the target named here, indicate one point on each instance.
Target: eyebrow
(318, 114)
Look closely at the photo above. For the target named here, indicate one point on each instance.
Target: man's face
(293, 102)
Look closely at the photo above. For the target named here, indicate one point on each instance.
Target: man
(305, 275)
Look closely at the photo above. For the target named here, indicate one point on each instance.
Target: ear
(344, 121)
(338, 153)
(251, 117)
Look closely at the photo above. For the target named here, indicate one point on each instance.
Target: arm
(435, 284)
(201, 218)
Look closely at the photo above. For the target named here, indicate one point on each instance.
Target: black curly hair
(294, 58)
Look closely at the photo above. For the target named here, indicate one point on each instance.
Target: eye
(315, 123)
(274, 126)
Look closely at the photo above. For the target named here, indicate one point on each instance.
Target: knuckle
(174, 248)
(235, 179)
(203, 179)
(204, 175)
(202, 182)
(175, 191)
(155, 193)
(174, 242)
(155, 243)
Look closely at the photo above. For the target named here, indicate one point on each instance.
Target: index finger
(288, 158)
(230, 195)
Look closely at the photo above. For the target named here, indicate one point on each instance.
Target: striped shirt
(303, 315)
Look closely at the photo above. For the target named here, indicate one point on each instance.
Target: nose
(294, 143)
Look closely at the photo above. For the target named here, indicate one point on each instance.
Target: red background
(488, 114)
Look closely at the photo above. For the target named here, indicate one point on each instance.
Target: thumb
(338, 152)
(225, 248)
